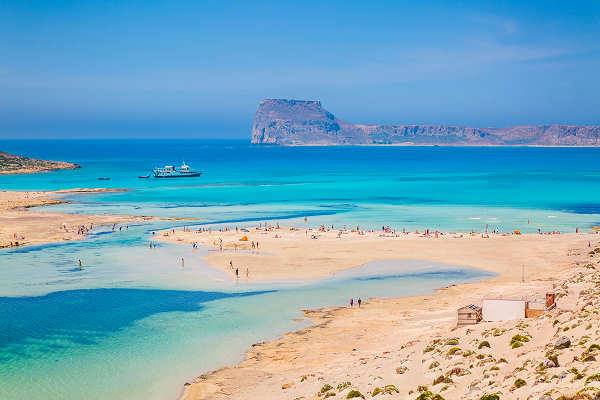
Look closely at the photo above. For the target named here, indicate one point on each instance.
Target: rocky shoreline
(12, 165)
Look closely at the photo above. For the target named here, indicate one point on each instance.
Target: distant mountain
(299, 122)
(11, 164)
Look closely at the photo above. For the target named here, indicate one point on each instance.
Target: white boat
(169, 171)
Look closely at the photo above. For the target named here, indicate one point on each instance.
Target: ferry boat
(169, 171)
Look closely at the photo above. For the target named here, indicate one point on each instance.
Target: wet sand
(20, 225)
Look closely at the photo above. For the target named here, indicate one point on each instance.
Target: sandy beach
(397, 347)
(290, 253)
(21, 225)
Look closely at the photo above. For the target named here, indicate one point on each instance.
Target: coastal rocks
(298, 122)
(11, 164)
(562, 342)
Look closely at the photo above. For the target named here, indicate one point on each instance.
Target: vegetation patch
(591, 378)
(427, 395)
(326, 388)
(520, 383)
(483, 344)
(353, 394)
(434, 364)
(518, 340)
(453, 351)
(442, 379)
(577, 374)
(490, 396)
(388, 389)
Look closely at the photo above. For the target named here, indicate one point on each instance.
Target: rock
(562, 375)
(299, 122)
(10, 163)
(562, 343)
(549, 364)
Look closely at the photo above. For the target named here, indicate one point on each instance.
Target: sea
(132, 324)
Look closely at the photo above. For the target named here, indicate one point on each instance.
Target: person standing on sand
(80, 264)
(230, 264)
(182, 263)
(237, 273)
(352, 302)
(359, 301)
(247, 273)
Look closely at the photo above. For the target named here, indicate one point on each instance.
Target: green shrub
(591, 378)
(517, 341)
(428, 349)
(483, 344)
(354, 394)
(326, 388)
(593, 347)
(427, 395)
(453, 350)
(578, 375)
(492, 396)
(468, 353)
(434, 365)
(451, 342)
(343, 386)
(589, 358)
(520, 382)
(441, 379)
(329, 394)
(387, 389)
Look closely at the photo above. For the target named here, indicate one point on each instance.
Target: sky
(198, 69)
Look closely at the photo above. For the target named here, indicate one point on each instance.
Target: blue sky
(199, 68)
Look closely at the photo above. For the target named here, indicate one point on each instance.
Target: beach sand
(20, 224)
(402, 342)
(289, 253)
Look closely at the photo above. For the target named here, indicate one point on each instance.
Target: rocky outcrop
(11, 164)
(299, 122)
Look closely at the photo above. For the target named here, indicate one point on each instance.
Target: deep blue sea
(134, 325)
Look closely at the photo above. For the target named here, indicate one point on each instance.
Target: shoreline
(304, 253)
(273, 368)
(20, 225)
(363, 345)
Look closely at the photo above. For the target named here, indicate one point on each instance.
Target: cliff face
(297, 122)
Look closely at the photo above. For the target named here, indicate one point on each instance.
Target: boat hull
(178, 176)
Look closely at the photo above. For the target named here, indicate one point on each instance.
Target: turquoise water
(133, 324)
(412, 187)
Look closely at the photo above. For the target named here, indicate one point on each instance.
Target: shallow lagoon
(133, 324)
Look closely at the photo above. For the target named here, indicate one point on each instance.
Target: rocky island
(12, 164)
(298, 122)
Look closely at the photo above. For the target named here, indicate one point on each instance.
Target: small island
(289, 122)
(13, 164)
